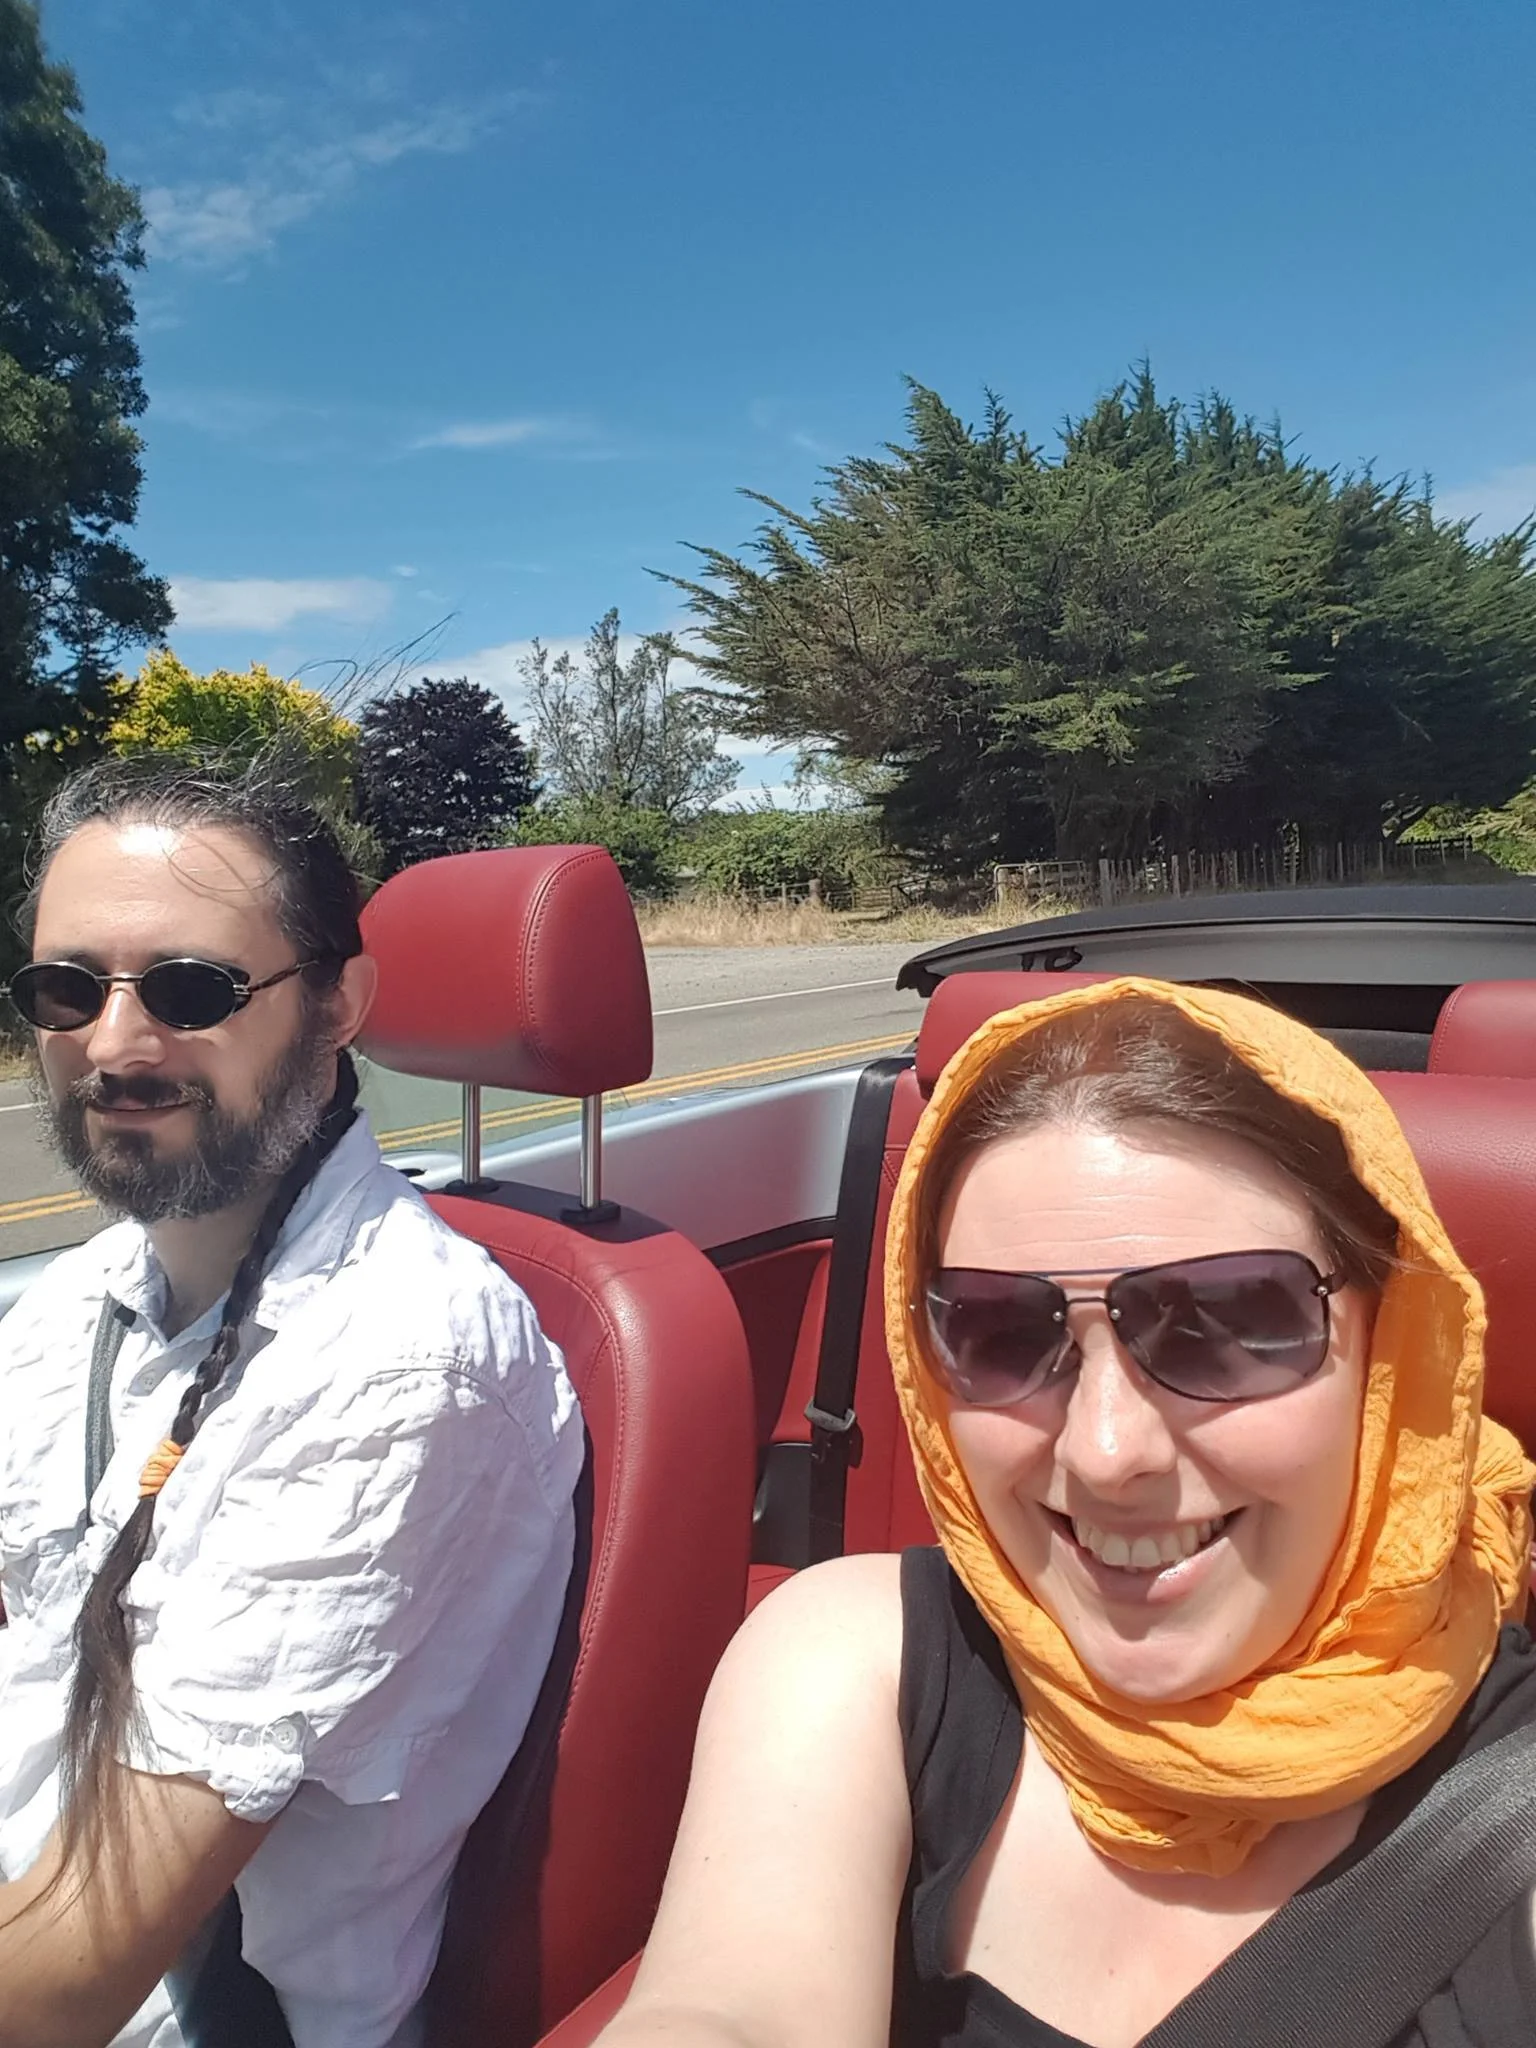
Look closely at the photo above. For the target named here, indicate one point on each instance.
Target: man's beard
(229, 1157)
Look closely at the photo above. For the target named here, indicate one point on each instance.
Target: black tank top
(963, 1735)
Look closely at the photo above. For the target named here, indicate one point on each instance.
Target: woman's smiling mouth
(1155, 1561)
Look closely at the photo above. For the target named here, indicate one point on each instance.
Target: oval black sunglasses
(184, 995)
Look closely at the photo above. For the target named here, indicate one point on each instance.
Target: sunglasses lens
(189, 995)
(54, 996)
(998, 1337)
(1235, 1327)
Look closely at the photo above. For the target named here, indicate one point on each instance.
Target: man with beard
(285, 1466)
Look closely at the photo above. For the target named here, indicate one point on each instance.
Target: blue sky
(468, 315)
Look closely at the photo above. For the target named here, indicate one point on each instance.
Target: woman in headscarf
(1231, 1564)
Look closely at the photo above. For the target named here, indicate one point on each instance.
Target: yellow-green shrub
(168, 707)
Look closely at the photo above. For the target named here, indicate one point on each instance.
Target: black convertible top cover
(1384, 956)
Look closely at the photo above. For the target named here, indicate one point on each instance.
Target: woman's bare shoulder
(847, 1611)
(797, 1823)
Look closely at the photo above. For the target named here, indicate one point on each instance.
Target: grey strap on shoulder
(111, 1329)
(219, 1999)
(1349, 1963)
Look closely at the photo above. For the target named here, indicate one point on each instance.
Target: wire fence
(1284, 865)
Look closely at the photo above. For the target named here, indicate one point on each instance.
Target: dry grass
(728, 921)
(13, 1064)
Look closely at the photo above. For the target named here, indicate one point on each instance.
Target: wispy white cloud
(768, 416)
(1500, 501)
(269, 603)
(222, 225)
(222, 222)
(499, 669)
(229, 415)
(505, 433)
(236, 109)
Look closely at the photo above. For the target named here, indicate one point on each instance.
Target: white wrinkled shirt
(356, 1575)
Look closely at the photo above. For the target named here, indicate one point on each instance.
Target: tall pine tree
(72, 595)
(1172, 632)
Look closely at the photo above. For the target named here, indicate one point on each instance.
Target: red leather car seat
(523, 969)
(1474, 1137)
(883, 1508)
(1487, 1027)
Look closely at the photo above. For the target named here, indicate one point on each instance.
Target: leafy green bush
(169, 708)
(757, 852)
(1506, 836)
(643, 843)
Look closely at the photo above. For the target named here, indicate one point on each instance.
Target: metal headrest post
(470, 1180)
(592, 1208)
(591, 1151)
(469, 1134)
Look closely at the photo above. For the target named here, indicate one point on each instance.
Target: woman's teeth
(1148, 1552)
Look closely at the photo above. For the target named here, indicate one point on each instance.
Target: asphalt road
(725, 1017)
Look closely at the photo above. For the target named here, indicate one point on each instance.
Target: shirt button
(284, 1735)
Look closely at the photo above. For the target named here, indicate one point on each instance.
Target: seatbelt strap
(830, 1412)
(1351, 1962)
(111, 1329)
(218, 1999)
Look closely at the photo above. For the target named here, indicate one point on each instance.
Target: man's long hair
(315, 896)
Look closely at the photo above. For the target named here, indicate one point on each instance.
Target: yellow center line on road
(62, 1204)
(68, 1202)
(648, 1091)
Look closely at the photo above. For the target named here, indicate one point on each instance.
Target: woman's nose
(1115, 1430)
(124, 1035)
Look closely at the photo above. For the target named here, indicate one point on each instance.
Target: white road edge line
(7, 1107)
(778, 995)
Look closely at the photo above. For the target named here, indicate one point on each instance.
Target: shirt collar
(319, 1227)
(310, 1245)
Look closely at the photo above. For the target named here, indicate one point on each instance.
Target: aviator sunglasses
(184, 995)
(1234, 1326)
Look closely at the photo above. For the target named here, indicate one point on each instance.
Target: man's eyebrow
(237, 968)
(70, 956)
(82, 956)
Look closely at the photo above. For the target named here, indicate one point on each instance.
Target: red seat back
(1474, 1137)
(1487, 1027)
(962, 1003)
(523, 968)
(1475, 1140)
(883, 1508)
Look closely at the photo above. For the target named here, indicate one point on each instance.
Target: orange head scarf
(1433, 1556)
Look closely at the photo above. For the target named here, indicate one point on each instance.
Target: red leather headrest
(962, 1003)
(1487, 1027)
(517, 968)
(1474, 1137)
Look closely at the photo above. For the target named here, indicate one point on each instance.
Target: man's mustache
(137, 1091)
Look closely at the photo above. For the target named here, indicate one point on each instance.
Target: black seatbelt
(1349, 1963)
(830, 1411)
(218, 1999)
(111, 1328)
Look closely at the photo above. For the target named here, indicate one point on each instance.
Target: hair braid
(101, 1700)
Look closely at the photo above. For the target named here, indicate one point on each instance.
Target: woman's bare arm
(777, 1926)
